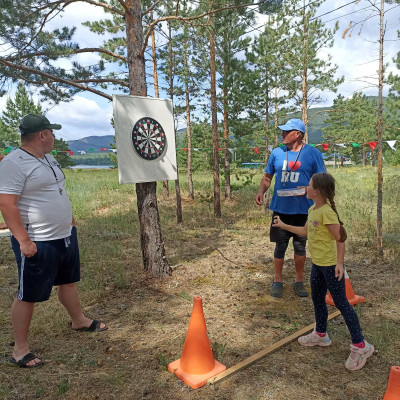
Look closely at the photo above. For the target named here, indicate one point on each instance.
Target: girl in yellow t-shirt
(326, 242)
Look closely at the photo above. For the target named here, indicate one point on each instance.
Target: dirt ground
(231, 268)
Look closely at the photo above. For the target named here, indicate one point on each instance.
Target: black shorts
(55, 263)
(281, 235)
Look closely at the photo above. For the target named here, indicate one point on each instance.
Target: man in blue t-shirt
(293, 165)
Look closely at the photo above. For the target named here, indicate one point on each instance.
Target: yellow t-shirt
(321, 243)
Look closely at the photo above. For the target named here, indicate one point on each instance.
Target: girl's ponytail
(342, 231)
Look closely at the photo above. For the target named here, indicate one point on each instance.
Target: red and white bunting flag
(372, 145)
(391, 144)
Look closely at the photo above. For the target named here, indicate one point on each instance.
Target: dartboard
(148, 138)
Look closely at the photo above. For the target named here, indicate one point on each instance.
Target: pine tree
(352, 121)
(270, 57)
(313, 74)
(230, 29)
(13, 113)
(11, 118)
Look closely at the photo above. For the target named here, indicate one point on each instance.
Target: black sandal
(95, 326)
(22, 363)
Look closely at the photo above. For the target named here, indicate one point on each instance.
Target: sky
(356, 57)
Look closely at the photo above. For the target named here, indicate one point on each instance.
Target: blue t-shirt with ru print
(290, 174)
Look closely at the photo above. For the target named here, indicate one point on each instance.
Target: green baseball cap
(34, 123)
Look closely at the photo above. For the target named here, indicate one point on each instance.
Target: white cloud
(82, 117)
(74, 15)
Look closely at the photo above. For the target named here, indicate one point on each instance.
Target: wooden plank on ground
(261, 354)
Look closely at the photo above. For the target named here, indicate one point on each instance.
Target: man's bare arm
(12, 217)
(264, 185)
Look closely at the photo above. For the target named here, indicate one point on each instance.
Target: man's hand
(259, 199)
(264, 186)
(28, 248)
(339, 271)
(277, 222)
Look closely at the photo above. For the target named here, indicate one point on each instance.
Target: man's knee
(280, 249)
(299, 247)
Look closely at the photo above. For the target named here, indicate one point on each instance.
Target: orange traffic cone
(393, 387)
(351, 297)
(197, 363)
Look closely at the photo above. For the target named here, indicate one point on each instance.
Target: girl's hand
(304, 193)
(339, 271)
(277, 222)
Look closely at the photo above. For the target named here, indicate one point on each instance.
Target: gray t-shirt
(43, 203)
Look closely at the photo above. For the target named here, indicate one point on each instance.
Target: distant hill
(91, 142)
(316, 123)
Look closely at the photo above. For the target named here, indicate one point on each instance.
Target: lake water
(91, 167)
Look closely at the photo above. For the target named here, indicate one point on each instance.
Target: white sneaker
(358, 357)
(313, 339)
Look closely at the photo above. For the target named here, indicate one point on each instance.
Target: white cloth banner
(391, 143)
(145, 138)
(341, 145)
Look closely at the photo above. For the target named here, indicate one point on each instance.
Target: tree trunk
(227, 168)
(276, 112)
(171, 87)
(304, 78)
(156, 91)
(379, 146)
(153, 50)
(266, 117)
(205, 151)
(153, 252)
(214, 122)
(165, 189)
(188, 129)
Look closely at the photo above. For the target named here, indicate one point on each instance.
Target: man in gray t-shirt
(36, 208)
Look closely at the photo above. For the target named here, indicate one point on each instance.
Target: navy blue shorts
(55, 263)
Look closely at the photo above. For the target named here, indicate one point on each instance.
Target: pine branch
(54, 78)
(123, 5)
(72, 51)
(150, 9)
(324, 111)
(101, 80)
(40, 28)
(190, 19)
